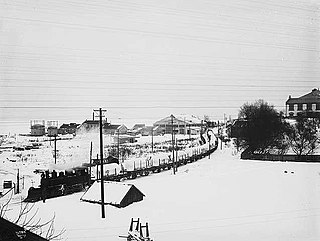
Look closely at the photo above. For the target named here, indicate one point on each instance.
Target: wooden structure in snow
(137, 234)
(116, 194)
(12, 232)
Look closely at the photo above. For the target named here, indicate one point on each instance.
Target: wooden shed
(116, 194)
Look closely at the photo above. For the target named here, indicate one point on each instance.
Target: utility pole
(55, 149)
(176, 166)
(172, 136)
(101, 160)
(152, 139)
(118, 146)
(90, 163)
(208, 143)
(97, 168)
(18, 182)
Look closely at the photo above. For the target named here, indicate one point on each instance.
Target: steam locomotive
(55, 184)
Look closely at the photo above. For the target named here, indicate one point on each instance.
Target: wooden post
(55, 149)
(90, 163)
(152, 139)
(18, 182)
(209, 146)
(118, 145)
(172, 136)
(97, 167)
(101, 167)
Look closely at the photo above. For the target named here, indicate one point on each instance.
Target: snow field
(221, 198)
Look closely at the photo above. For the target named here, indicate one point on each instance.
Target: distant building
(38, 130)
(89, 126)
(234, 128)
(307, 105)
(124, 139)
(138, 126)
(147, 131)
(141, 129)
(52, 131)
(114, 129)
(68, 128)
(182, 124)
(108, 129)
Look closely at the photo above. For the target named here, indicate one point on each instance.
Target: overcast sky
(145, 59)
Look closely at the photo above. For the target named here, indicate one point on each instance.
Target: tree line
(265, 130)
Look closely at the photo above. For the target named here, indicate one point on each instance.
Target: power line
(163, 34)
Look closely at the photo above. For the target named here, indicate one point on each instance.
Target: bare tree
(303, 136)
(27, 219)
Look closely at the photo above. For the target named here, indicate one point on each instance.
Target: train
(55, 184)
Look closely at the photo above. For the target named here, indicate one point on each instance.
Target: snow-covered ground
(71, 152)
(221, 198)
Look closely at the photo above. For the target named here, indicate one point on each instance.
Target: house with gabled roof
(182, 124)
(307, 105)
(112, 129)
(68, 128)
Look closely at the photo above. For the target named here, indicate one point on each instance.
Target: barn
(116, 194)
(13, 232)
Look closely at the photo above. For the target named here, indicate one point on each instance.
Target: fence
(245, 155)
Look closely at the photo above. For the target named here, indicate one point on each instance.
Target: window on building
(318, 106)
(299, 106)
(291, 107)
(309, 106)
(314, 107)
(304, 106)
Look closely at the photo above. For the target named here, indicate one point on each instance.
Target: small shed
(116, 194)
(13, 232)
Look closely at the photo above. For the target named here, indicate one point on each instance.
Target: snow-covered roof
(312, 97)
(114, 192)
(183, 118)
(192, 119)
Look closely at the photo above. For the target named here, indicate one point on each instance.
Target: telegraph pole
(101, 163)
(90, 162)
(209, 137)
(152, 139)
(55, 149)
(18, 181)
(118, 146)
(172, 135)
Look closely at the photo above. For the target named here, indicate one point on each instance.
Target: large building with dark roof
(307, 105)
